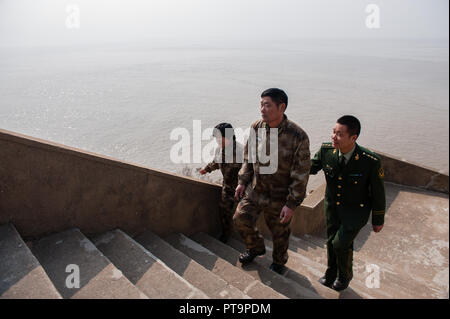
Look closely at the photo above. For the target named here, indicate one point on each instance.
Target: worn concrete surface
(303, 264)
(21, 275)
(415, 237)
(411, 251)
(260, 272)
(47, 188)
(211, 284)
(403, 172)
(231, 274)
(143, 269)
(99, 278)
(392, 284)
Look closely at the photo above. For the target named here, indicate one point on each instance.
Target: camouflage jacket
(229, 168)
(288, 182)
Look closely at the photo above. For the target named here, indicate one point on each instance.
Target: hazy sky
(45, 21)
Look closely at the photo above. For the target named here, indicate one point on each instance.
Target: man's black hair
(352, 123)
(277, 95)
(220, 129)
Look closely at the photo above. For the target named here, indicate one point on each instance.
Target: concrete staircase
(114, 265)
(21, 275)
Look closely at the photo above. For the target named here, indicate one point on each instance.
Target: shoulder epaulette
(327, 145)
(370, 156)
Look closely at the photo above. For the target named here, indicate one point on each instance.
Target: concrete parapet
(46, 188)
(402, 172)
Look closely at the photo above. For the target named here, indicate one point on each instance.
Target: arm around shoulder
(316, 162)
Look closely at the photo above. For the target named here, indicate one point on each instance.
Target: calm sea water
(124, 100)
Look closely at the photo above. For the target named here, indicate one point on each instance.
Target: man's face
(269, 110)
(341, 139)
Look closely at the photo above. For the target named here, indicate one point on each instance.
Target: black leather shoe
(277, 268)
(326, 282)
(248, 256)
(340, 284)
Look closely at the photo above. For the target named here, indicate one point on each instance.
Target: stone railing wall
(47, 187)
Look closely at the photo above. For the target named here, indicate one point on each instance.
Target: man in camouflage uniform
(278, 194)
(355, 188)
(229, 167)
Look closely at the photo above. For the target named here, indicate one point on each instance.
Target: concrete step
(392, 281)
(313, 271)
(412, 249)
(143, 269)
(313, 252)
(414, 239)
(299, 271)
(313, 241)
(231, 274)
(98, 276)
(306, 273)
(260, 272)
(211, 284)
(405, 285)
(301, 267)
(21, 275)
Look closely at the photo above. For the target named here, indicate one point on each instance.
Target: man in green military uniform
(226, 140)
(355, 188)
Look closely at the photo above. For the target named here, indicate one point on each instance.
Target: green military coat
(355, 190)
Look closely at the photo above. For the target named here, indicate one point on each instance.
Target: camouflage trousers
(227, 207)
(246, 216)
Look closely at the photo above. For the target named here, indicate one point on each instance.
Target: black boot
(326, 281)
(340, 284)
(277, 268)
(248, 256)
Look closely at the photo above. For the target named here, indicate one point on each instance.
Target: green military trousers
(339, 247)
(246, 215)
